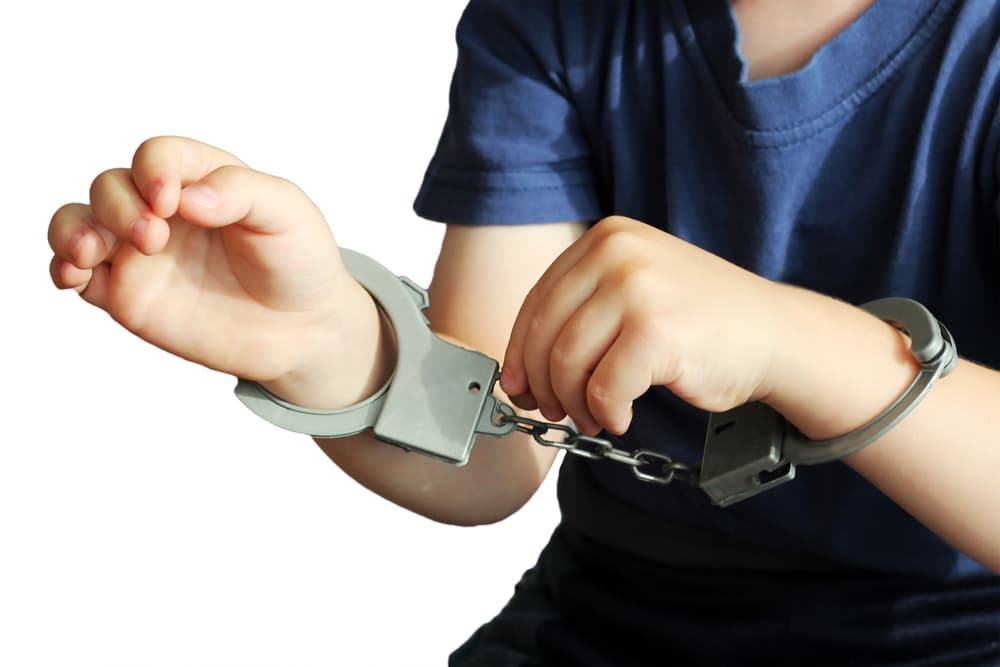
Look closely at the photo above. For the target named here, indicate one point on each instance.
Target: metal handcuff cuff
(439, 398)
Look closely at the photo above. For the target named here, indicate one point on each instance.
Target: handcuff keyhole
(474, 387)
(767, 476)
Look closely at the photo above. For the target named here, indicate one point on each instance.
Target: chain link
(646, 465)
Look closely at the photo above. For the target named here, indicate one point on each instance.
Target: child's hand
(206, 258)
(628, 307)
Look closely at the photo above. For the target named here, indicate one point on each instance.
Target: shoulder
(528, 23)
(554, 30)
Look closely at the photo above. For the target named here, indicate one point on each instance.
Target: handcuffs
(440, 397)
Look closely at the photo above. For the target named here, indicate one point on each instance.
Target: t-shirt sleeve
(513, 150)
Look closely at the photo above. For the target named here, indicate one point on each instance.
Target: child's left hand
(628, 307)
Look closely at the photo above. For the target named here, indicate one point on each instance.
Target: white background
(147, 518)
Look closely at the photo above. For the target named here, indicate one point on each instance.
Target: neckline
(843, 72)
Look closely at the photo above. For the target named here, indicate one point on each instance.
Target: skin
(606, 322)
(211, 250)
(777, 37)
(179, 248)
(780, 36)
(206, 276)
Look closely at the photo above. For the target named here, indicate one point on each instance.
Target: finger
(622, 375)
(91, 284)
(117, 206)
(67, 276)
(578, 349)
(74, 238)
(95, 291)
(553, 310)
(258, 201)
(524, 401)
(162, 166)
(514, 379)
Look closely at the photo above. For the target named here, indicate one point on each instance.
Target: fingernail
(73, 245)
(506, 378)
(154, 192)
(138, 230)
(202, 195)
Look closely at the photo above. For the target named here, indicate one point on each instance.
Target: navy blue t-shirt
(870, 172)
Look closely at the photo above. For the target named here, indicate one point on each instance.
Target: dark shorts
(584, 603)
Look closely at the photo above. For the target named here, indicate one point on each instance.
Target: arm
(658, 311)
(480, 280)
(939, 463)
(189, 250)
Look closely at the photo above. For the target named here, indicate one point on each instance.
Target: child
(716, 181)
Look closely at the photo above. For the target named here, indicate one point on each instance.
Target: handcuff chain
(646, 465)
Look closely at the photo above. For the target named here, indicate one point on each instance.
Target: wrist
(839, 367)
(345, 359)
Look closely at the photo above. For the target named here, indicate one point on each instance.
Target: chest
(857, 184)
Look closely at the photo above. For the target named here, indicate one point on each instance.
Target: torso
(863, 167)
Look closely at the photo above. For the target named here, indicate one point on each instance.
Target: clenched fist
(627, 307)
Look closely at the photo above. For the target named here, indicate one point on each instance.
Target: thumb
(256, 201)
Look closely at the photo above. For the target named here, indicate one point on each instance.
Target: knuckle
(562, 357)
(144, 149)
(102, 183)
(609, 225)
(146, 157)
(151, 147)
(645, 331)
(636, 323)
(599, 396)
(541, 288)
(637, 282)
(535, 324)
(615, 244)
(286, 184)
(63, 212)
(293, 191)
(151, 143)
(566, 355)
(639, 298)
(60, 225)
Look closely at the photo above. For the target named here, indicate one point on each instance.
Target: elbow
(479, 514)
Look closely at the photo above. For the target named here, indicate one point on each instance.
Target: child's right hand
(208, 259)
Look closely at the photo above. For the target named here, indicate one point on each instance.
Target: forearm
(501, 475)
(843, 367)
